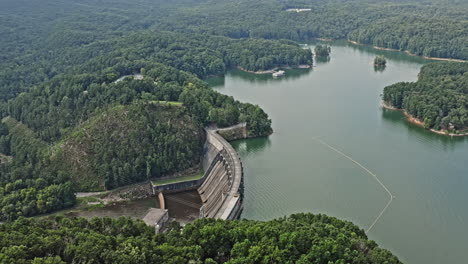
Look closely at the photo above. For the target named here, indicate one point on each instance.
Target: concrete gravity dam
(221, 187)
(221, 192)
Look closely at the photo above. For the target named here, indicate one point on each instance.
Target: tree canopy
(61, 64)
(380, 60)
(65, 131)
(300, 238)
(322, 51)
(39, 42)
(439, 98)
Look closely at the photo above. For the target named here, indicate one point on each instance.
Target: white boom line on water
(368, 171)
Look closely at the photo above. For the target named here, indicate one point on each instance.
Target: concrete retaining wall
(178, 186)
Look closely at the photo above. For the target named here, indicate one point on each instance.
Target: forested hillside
(439, 98)
(128, 144)
(59, 112)
(100, 94)
(27, 186)
(202, 55)
(428, 28)
(40, 41)
(300, 238)
(51, 107)
(54, 112)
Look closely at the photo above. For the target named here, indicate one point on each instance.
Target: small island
(380, 61)
(322, 51)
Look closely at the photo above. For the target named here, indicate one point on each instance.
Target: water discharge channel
(336, 151)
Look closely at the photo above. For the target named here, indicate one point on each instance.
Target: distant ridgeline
(299, 238)
(439, 98)
(430, 28)
(58, 41)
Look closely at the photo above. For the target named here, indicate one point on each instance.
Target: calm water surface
(339, 102)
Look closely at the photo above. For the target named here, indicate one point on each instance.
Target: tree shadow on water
(322, 60)
(398, 120)
(379, 68)
(251, 146)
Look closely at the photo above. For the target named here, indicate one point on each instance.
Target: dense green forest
(128, 144)
(75, 108)
(40, 41)
(91, 84)
(429, 28)
(439, 98)
(322, 51)
(27, 187)
(202, 55)
(60, 96)
(380, 60)
(61, 62)
(56, 110)
(300, 238)
(71, 122)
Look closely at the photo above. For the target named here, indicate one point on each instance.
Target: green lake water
(338, 101)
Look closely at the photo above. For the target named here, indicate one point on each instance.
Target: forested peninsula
(438, 100)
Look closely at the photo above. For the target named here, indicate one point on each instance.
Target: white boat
(278, 74)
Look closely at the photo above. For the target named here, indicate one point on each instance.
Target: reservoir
(326, 121)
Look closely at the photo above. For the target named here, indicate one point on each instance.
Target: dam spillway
(220, 188)
(221, 191)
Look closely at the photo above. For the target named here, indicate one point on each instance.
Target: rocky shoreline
(420, 123)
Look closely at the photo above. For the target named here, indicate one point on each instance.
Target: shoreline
(415, 121)
(258, 72)
(435, 58)
(270, 71)
(380, 48)
(407, 52)
(325, 39)
(354, 42)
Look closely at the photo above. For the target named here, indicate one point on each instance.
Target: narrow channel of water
(338, 101)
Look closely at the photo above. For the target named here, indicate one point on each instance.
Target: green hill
(128, 144)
